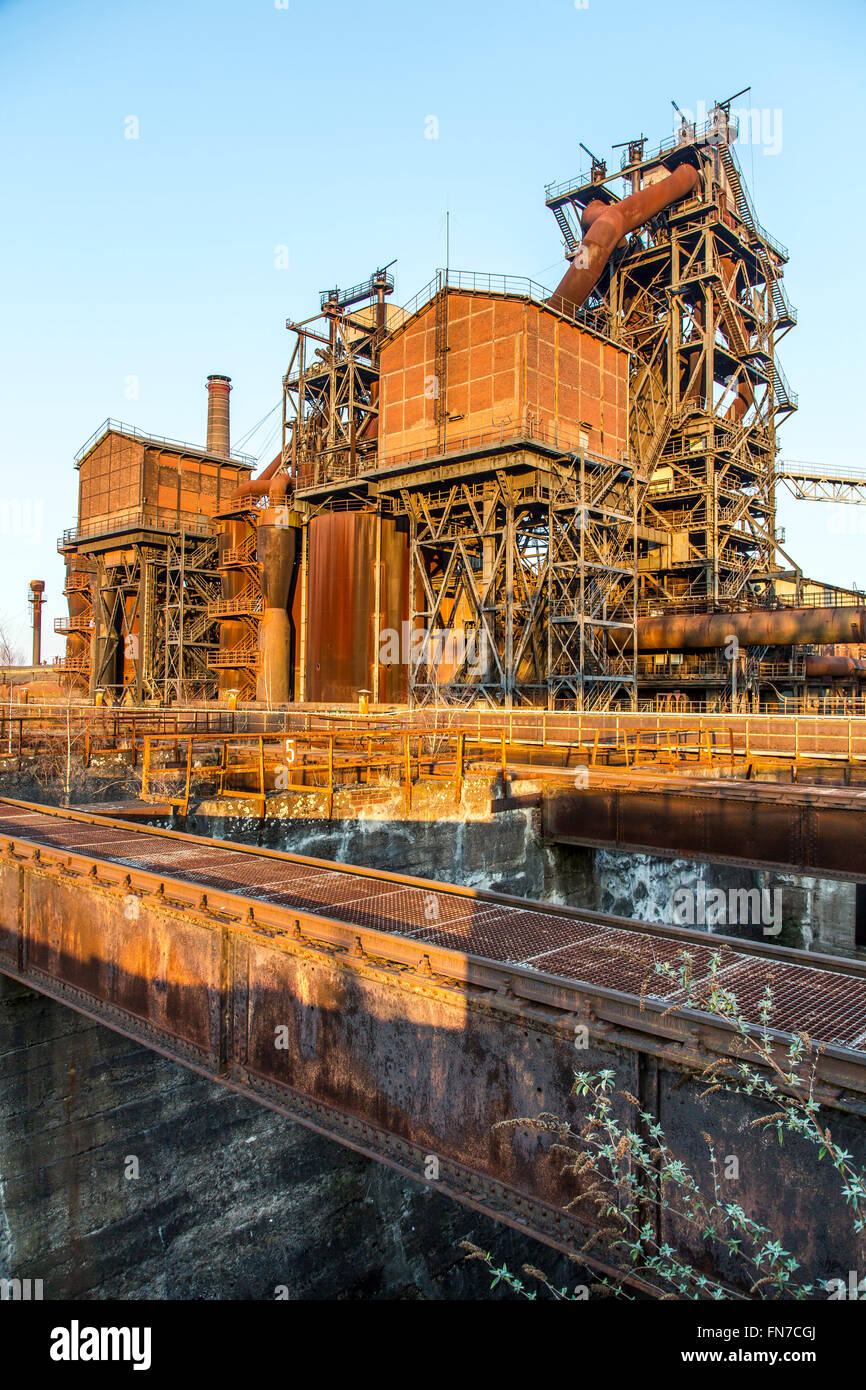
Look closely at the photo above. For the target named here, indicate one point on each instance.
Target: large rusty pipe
(260, 486)
(780, 627)
(275, 552)
(742, 400)
(608, 228)
(218, 424)
(835, 668)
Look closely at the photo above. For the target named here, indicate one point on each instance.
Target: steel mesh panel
(829, 1005)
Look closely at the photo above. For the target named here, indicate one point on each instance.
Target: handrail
(791, 468)
(488, 282)
(250, 601)
(80, 622)
(136, 518)
(110, 425)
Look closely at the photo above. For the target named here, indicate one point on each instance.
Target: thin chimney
(37, 589)
(218, 433)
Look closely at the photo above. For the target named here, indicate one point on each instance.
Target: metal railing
(791, 468)
(363, 290)
(77, 582)
(250, 601)
(781, 388)
(82, 622)
(135, 519)
(245, 655)
(485, 282)
(506, 432)
(110, 426)
(79, 664)
(695, 603)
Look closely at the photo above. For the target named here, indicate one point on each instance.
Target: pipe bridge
(399, 1017)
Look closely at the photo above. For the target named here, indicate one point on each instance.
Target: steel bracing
(810, 482)
(330, 389)
(697, 294)
(528, 556)
(152, 632)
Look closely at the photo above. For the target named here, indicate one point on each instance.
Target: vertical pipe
(37, 589)
(377, 610)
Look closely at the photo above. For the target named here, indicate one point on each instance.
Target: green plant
(621, 1169)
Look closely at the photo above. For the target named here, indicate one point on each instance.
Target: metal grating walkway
(827, 1003)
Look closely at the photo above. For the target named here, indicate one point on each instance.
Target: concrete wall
(232, 1200)
(817, 914)
(503, 852)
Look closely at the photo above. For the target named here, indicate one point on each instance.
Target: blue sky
(262, 126)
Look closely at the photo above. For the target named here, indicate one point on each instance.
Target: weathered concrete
(505, 852)
(232, 1201)
(817, 914)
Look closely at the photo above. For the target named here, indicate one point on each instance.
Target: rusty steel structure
(142, 564)
(669, 250)
(409, 1032)
(697, 294)
(810, 482)
(461, 466)
(494, 494)
(806, 830)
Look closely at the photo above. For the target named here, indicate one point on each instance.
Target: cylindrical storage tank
(393, 682)
(342, 589)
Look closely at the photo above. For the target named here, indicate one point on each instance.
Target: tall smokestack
(218, 434)
(37, 589)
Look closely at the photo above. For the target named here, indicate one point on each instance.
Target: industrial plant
(569, 497)
(474, 788)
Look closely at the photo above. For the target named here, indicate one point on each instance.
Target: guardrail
(135, 519)
(118, 427)
(489, 282)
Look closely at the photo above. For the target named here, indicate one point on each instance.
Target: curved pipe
(608, 229)
(739, 405)
(260, 486)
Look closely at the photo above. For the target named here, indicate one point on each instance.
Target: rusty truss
(534, 555)
(142, 571)
(699, 298)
